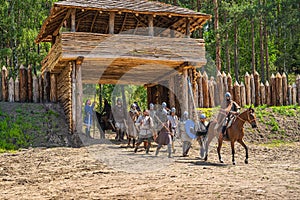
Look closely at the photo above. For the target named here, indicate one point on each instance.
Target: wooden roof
(93, 15)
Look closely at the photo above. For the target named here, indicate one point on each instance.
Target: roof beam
(95, 17)
(55, 33)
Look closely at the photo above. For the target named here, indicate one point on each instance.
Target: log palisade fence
(208, 92)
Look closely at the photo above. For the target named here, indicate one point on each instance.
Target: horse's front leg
(220, 141)
(232, 152)
(246, 149)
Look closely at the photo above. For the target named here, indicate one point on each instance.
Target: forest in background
(242, 36)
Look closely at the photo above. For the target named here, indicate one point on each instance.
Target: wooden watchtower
(120, 42)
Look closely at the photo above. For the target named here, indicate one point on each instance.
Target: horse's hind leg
(220, 141)
(246, 149)
(232, 152)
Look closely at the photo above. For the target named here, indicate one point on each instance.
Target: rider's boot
(224, 131)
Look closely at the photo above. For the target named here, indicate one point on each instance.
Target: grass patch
(277, 143)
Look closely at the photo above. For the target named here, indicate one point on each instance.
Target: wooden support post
(111, 22)
(41, 89)
(243, 94)
(248, 88)
(205, 90)
(220, 85)
(11, 90)
(252, 84)
(171, 91)
(298, 88)
(294, 94)
(187, 27)
(262, 94)
(211, 90)
(35, 89)
(17, 89)
(229, 83)
(237, 93)
(268, 93)
(279, 99)
(73, 98)
(257, 88)
(23, 84)
(284, 89)
(29, 79)
(200, 91)
(73, 18)
(273, 90)
(185, 93)
(79, 92)
(47, 86)
(150, 25)
(289, 95)
(53, 88)
(4, 84)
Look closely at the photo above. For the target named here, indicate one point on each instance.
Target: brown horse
(235, 133)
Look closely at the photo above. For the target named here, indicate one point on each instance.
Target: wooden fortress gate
(121, 42)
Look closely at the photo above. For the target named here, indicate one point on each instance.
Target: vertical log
(243, 94)
(11, 90)
(294, 94)
(298, 88)
(268, 93)
(273, 90)
(79, 92)
(279, 99)
(4, 84)
(149, 95)
(211, 92)
(41, 89)
(284, 89)
(262, 94)
(289, 95)
(35, 89)
(190, 89)
(185, 93)
(187, 27)
(73, 98)
(1, 97)
(229, 83)
(205, 90)
(252, 84)
(150, 25)
(237, 93)
(29, 79)
(248, 88)
(53, 88)
(23, 84)
(257, 89)
(17, 89)
(111, 22)
(73, 23)
(220, 85)
(225, 84)
(215, 89)
(195, 87)
(200, 91)
(47, 86)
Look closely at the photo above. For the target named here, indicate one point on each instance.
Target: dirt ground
(106, 170)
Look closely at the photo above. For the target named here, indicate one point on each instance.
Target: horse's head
(252, 117)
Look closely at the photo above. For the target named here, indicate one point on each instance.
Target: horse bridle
(248, 118)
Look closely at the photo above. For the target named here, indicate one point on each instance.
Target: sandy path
(110, 171)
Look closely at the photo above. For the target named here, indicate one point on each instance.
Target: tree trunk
(266, 51)
(261, 47)
(216, 27)
(253, 45)
(236, 64)
(227, 46)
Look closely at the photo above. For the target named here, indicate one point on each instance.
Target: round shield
(189, 125)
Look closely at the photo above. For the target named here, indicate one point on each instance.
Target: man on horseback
(231, 109)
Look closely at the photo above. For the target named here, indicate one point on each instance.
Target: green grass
(277, 143)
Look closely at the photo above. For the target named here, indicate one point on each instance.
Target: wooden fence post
(46, 84)
(229, 83)
(294, 94)
(248, 88)
(4, 84)
(11, 90)
(225, 82)
(53, 88)
(284, 89)
(1, 98)
(35, 89)
(262, 94)
(273, 90)
(268, 93)
(200, 91)
(23, 84)
(17, 89)
(257, 88)
(243, 95)
(252, 84)
(289, 95)
(220, 85)
(205, 90)
(298, 89)
(279, 99)
(29, 79)
(41, 88)
(237, 93)
(211, 92)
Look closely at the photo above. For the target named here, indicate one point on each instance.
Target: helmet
(202, 116)
(186, 113)
(164, 104)
(133, 105)
(227, 95)
(173, 110)
(151, 105)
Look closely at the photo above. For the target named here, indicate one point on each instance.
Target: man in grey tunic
(119, 116)
(186, 140)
